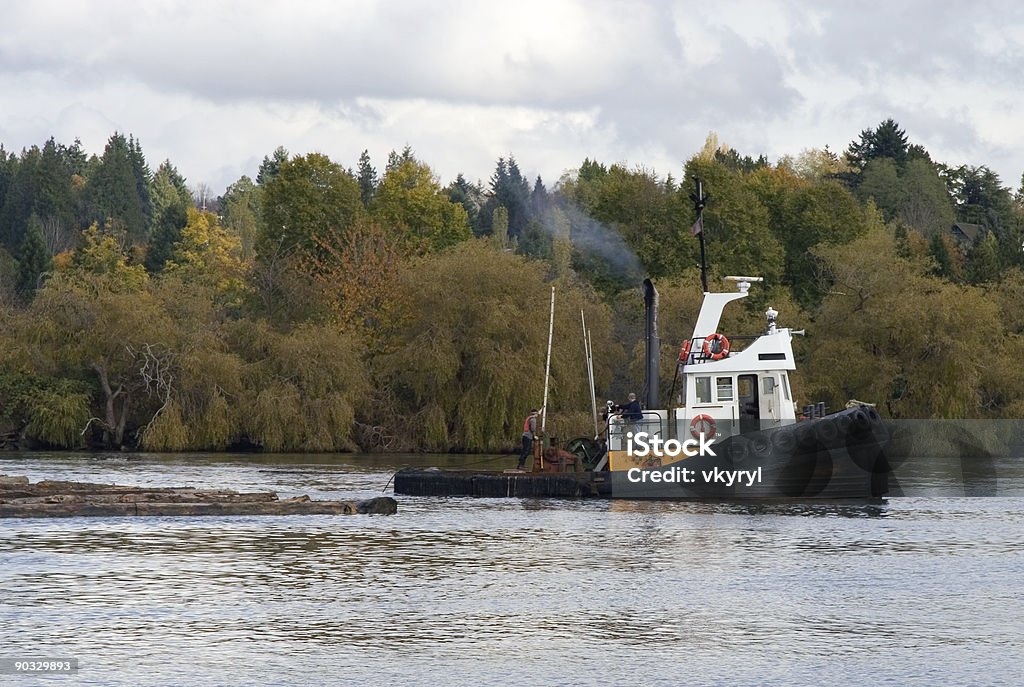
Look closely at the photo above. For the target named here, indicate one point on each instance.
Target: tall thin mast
(699, 201)
(588, 349)
(547, 367)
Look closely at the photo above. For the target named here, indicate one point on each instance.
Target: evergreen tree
(591, 170)
(166, 234)
(983, 263)
(143, 178)
(510, 190)
(471, 198)
(538, 198)
(733, 161)
(33, 258)
(76, 158)
(114, 189)
(367, 178)
(41, 182)
(271, 166)
(19, 200)
(54, 201)
(8, 168)
(167, 188)
(535, 241)
(887, 140)
(395, 160)
(585, 189)
(981, 198)
(944, 265)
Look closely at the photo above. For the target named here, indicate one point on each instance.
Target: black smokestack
(652, 350)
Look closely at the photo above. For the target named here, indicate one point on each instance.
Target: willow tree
(203, 377)
(302, 389)
(35, 402)
(891, 334)
(96, 326)
(468, 347)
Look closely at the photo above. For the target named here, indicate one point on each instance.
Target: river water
(915, 590)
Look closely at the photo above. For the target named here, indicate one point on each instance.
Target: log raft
(492, 484)
(20, 498)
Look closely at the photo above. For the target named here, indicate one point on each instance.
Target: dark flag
(697, 227)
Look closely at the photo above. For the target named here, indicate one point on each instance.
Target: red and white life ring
(723, 346)
(684, 350)
(702, 424)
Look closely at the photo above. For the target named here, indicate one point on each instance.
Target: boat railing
(619, 428)
(736, 344)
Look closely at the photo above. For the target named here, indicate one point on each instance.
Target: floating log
(434, 482)
(49, 499)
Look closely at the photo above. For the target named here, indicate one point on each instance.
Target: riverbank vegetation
(321, 308)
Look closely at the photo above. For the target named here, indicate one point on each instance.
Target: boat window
(746, 386)
(785, 386)
(703, 389)
(724, 385)
(769, 385)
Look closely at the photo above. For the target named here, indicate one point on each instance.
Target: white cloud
(216, 86)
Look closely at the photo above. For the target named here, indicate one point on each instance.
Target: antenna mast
(699, 201)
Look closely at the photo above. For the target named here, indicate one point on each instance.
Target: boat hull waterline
(837, 457)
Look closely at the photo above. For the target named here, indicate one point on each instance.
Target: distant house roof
(966, 233)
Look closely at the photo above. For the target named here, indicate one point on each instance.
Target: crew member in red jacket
(529, 434)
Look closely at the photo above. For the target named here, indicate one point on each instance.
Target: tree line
(320, 308)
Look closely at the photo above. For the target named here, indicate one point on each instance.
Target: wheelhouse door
(750, 408)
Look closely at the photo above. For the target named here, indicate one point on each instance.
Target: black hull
(837, 457)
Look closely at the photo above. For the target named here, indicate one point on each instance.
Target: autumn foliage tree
(410, 201)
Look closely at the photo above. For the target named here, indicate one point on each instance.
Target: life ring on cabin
(702, 424)
(684, 350)
(723, 346)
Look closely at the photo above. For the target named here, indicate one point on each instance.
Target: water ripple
(494, 591)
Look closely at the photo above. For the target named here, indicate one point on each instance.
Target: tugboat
(737, 404)
(739, 407)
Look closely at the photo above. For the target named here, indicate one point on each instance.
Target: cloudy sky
(214, 86)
